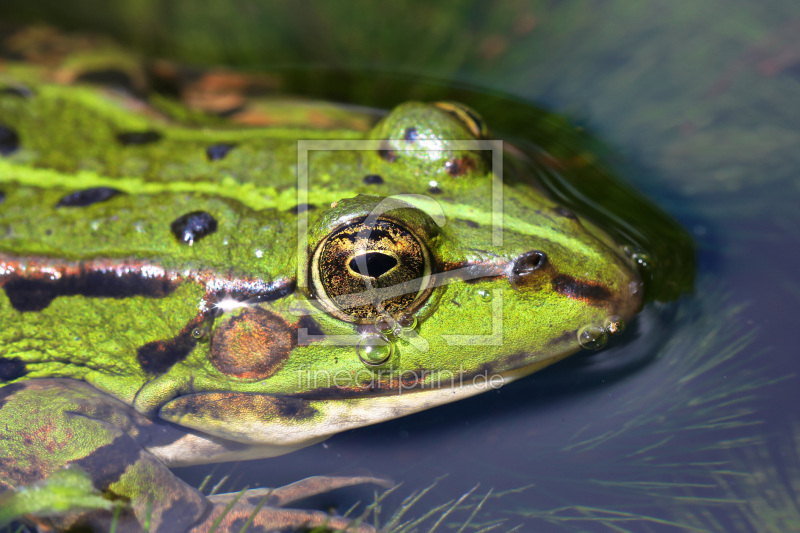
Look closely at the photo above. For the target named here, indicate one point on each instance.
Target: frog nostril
(526, 267)
(529, 262)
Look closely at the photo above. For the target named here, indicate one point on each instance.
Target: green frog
(181, 286)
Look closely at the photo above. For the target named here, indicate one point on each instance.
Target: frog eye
(467, 116)
(369, 270)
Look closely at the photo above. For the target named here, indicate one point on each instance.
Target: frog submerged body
(181, 292)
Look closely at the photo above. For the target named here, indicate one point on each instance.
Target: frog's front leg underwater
(70, 423)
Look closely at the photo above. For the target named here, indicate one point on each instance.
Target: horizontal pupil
(376, 263)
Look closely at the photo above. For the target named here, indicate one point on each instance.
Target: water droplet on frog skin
(385, 326)
(407, 323)
(374, 349)
(200, 333)
(592, 337)
(614, 325)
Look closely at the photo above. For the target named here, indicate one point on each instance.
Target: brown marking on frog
(591, 292)
(460, 166)
(32, 283)
(252, 344)
(12, 368)
(157, 357)
(242, 406)
(387, 153)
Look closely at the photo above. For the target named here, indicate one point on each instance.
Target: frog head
(408, 301)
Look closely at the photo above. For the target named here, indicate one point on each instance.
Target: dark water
(693, 423)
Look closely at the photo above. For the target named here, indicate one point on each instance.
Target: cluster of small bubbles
(639, 257)
(592, 337)
(389, 326)
(614, 325)
(642, 259)
(485, 295)
(374, 349)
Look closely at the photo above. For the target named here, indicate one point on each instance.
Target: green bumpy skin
(171, 297)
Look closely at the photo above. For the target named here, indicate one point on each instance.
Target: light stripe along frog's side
(156, 311)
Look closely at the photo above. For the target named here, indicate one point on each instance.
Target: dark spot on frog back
(310, 325)
(459, 166)
(193, 226)
(301, 208)
(216, 152)
(386, 153)
(157, 357)
(36, 293)
(113, 78)
(19, 91)
(87, 197)
(11, 368)
(134, 138)
(373, 179)
(9, 140)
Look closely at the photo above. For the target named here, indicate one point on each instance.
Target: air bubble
(592, 337)
(614, 325)
(200, 334)
(374, 350)
(485, 295)
(385, 326)
(407, 322)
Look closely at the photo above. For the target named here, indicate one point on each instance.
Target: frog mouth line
(289, 421)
